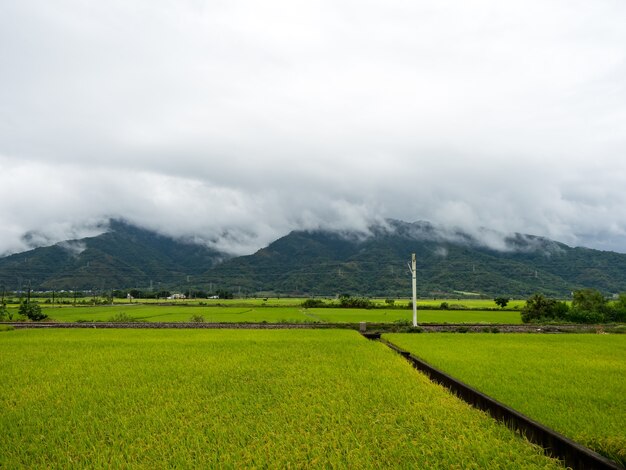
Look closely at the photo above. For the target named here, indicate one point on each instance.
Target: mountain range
(372, 263)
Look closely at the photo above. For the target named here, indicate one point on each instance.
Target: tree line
(587, 306)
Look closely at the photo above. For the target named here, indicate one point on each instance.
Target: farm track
(373, 329)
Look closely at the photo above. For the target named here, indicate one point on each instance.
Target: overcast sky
(237, 121)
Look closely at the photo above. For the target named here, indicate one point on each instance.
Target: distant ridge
(321, 262)
(329, 263)
(122, 257)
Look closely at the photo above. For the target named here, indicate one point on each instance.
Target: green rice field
(575, 384)
(179, 313)
(346, 315)
(229, 314)
(207, 398)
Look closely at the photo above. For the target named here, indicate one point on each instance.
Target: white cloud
(254, 118)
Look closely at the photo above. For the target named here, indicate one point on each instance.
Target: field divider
(573, 454)
(374, 330)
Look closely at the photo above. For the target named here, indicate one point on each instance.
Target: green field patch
(222, 314)
(514, 304)
(206, 399)
(345, 315)
(178, 313)
(468, 316)
(572, 383)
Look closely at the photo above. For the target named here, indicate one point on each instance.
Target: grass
(170, 398)
(514, 304)
(176, 313)
(345, 315)
(572, 383)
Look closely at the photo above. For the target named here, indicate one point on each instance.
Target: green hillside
(322, 263)
(328, 263)
(124, 256)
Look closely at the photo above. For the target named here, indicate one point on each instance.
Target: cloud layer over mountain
(235, 122)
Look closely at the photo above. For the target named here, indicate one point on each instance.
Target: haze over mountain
(370, 262)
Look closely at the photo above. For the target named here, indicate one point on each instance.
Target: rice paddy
(279, 314)
(207, 398)
(573, 383)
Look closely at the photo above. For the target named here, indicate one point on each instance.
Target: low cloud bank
(234, 123)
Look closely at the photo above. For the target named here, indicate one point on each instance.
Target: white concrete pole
(414, 279)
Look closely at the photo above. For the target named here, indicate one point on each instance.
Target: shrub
(590, 306)
(578, 315)
(616, 315)
(346, 301)
(122, 317)
(540, 308)
(313, 303)
(444, 306)
(197, 319)
(32, 311)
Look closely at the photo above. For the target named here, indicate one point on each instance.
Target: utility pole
(414, 282)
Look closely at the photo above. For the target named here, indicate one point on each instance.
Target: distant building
(177, 297)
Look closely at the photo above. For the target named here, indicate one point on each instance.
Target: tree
(501, 301)
(32, 311)
(540, 308)
(224, 294)
(163, 294)
(617, 312)
(135, 293)
(589, 306)
(589, 300)
(4, 314)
